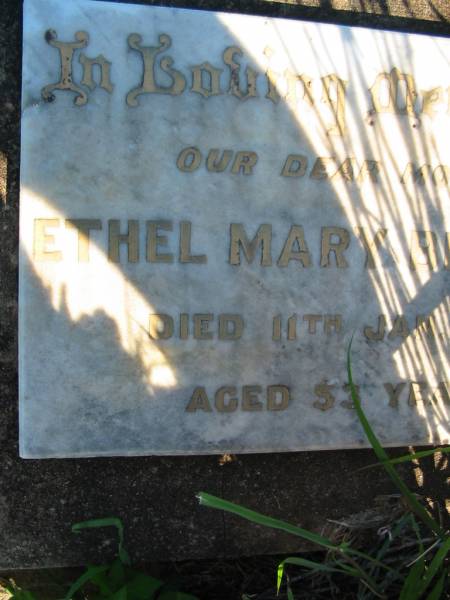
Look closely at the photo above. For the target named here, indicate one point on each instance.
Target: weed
(115, 581)
(415, 571)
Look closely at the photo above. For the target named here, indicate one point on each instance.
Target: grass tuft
(394, 569)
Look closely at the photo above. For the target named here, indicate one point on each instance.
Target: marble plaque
(211, 205)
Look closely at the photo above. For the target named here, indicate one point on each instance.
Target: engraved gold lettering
(376, 334)
(244, 161)
(417, 391)
(332, 323)
(66, 50)
(323, 168)
(337, 247)
(423, 250)
(292, 328)
(278, 397)
(83, 228)
(393, 392)
(395, 90)
(185, 246)
(323, 390)
(333, 94)
(441, 175)
(276, 328)
(210, 87)
(293, 80)
(431, 98)
(223, 405)
(251, 75)
(425, 326)
(272, 79)
(189, 159)
(160, 326)
(418, 175)
(105, 72)
(371, 246)
(349, 403)
(400, 328)
(216, 165)
(295, 166)
(230, 327)
(250, 400)
(201, 326)
(296, 238)
(347, 170)
(312, 321)
(149, 84)
(442, 393)
(115, 238)
(371, 169)
(184, 326)
(199, 401)
(42, 239)
(154, 241)
(238, 239)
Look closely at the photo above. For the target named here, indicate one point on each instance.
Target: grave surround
(41, 499)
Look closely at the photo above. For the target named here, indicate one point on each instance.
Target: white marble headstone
(211, 205)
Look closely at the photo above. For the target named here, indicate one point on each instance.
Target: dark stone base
(155, 497)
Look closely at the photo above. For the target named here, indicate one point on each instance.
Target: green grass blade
(116, 575)
(290, 593)
(143, 587)
(255, 517)
(251, 515)
(397, 530)
(324, 567)
(313, 566)
(371, 559)
(414, 505)
(416, 529)
(410, 589)
(121, 594)
(280, 573)
(408, 457)
(435, 564)
(88, 575)
(106, 522)
(436, 592)
(101, 580)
